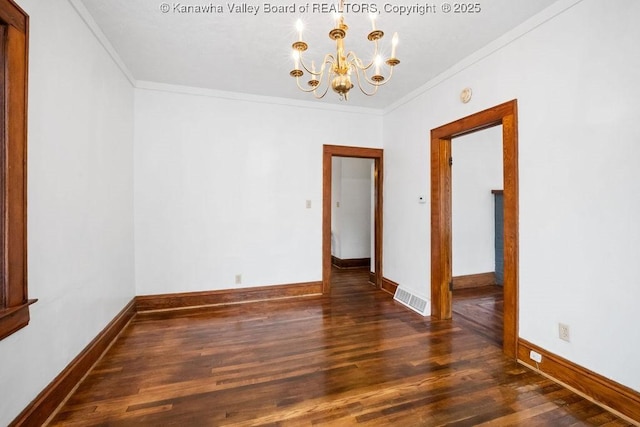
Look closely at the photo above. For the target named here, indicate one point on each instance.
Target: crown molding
(531, 24)
(84, 14)
(237, 96)
(501, 42)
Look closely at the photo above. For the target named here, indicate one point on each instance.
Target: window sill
(14, 318)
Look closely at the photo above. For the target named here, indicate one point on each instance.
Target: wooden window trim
(14, 35)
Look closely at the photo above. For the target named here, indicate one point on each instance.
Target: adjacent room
(332, 213)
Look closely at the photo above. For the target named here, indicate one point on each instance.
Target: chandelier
(337, 70)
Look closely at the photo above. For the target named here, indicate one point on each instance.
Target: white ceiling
(252, 53)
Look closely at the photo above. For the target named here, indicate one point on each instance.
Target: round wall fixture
(465, 95)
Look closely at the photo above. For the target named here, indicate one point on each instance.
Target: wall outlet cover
(563, 332)
(535, 356)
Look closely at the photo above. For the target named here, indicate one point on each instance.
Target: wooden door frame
(441, 252)
(376, 154)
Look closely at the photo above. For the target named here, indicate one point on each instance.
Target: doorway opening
(376, 154)
(441, 193)
(476, 180)
(352, 208)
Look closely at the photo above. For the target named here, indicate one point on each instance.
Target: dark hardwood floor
(480, 309)
(352, 358)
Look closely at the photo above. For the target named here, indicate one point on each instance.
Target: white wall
(80, 201)
(575, 78)
(372, 216)
(477, 169)
(221, 186)
(336, 196)
(352, 219)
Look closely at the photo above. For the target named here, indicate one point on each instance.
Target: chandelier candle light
(338, 68)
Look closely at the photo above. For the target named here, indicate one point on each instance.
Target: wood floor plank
(354, 357)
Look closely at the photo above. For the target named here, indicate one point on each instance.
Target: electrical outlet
(238, 279)
(308, 204)
(535, 356)
(563, 332)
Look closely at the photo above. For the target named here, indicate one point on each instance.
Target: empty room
(319, 213)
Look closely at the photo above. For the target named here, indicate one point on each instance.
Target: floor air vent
(414, 302)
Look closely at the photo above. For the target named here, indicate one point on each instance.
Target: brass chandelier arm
(328, 59)
(359, 69)
(315, 94)
(303, 89)
(383, 82)
(387, 80)
(336, 68)
(358, 61)
(314, 89)
(375, 85)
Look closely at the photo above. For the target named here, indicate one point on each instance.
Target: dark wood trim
(501, 192)
(14, 318)
(14, 43)
(329, 151)
(12, 14)
(506, 115)
(474, 280)
(350, 262)
(372, 278)
(607, 393)
(441, 262)
(511, 230)
(44, 405)
(225, 296)
(389, 286)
